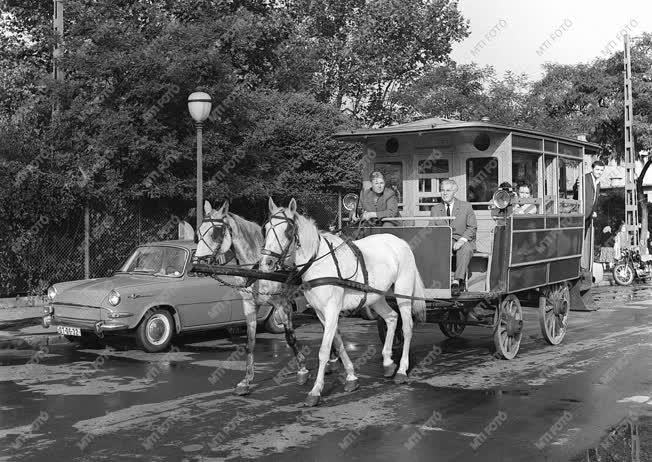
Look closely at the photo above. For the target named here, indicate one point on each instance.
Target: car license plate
(63, 330)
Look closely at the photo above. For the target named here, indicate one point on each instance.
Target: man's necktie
(448, 210)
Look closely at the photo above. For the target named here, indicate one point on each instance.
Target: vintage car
(151, 297)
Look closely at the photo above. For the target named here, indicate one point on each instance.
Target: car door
(203, 301)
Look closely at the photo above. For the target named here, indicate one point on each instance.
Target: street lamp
(199, 106)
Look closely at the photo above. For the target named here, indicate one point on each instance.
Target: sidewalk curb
(31, 342)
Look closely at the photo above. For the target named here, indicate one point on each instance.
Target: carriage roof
(439, 125)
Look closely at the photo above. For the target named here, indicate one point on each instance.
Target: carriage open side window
(525, 172)
(393, 173)
(569, 183)
(481, 180)
(431, 171)
(550, 185)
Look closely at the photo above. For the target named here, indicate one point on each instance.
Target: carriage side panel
(431, 246)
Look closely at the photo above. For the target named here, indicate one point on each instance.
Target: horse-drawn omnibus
(546, 254)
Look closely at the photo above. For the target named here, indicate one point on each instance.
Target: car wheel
(155, 331)
(273, 325)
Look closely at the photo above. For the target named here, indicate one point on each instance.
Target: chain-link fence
(55, 252)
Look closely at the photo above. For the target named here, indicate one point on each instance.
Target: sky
(512, 34)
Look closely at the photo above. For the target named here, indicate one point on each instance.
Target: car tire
(272, 325)
(155, 331)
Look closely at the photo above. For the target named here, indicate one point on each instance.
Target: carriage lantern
(350, 201)
(502, 198)
(199, 106)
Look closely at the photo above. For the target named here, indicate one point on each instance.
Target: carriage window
(526, 142)
(569, 179)
(550, 185)
(525, 169)
(525, 172)
(393, 172)
(481, 178)
(570, 150)
(428, 193)
(431, 171)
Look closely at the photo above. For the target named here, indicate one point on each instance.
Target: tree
(465, 92)
(357, 53)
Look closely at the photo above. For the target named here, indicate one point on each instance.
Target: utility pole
(631, 202)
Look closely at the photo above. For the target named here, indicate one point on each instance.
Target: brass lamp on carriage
(503, 198)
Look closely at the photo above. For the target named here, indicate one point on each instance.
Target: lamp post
(199, 106)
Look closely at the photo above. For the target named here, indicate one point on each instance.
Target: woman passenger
(525, 192)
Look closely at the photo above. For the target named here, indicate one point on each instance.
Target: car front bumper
(99, 327)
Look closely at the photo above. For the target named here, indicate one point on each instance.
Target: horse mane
(249, 233)
(308, 234)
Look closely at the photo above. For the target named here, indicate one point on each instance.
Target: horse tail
(418, 306)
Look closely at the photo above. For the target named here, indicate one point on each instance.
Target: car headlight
(52, 292)
(114, 297)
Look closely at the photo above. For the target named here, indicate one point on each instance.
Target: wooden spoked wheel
(450, 328)
(554, 305)
(508, 327)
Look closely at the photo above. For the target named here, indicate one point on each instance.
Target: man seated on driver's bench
(464, 227)
(377, 202)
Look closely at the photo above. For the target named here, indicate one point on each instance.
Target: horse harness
(291, 234)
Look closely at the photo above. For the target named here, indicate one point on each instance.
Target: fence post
(87, 242)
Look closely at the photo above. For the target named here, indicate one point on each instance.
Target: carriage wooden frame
(544, 257)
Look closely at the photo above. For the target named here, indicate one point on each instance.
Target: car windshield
(156, 260)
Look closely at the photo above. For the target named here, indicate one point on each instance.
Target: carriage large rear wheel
(554, 305)
(450, 328)
(508, 330)
(398, 335)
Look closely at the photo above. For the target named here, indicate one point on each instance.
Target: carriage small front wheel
(554, 305)
(508, 327)
(454, 324)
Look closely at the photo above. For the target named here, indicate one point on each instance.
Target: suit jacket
(464, 224)
(385, 205)
(589, 193)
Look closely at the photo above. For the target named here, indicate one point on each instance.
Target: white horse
(293, 241)
(222, 231)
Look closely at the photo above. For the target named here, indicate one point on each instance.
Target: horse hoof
(302, 378)
(242, 390)
(312, 401)
(400, 379)
(389, 370)
(351, 385)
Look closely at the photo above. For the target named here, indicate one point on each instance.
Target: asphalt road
(591, 393)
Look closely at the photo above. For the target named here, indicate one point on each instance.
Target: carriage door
(432, 167)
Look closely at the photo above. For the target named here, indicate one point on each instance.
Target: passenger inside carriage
(378, 202)
(464, 225)
(524, 192)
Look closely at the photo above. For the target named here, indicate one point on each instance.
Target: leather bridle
(292, 236)
(218, 228)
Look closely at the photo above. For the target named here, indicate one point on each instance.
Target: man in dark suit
(464, 226)
(592, 190)
(591, 194)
